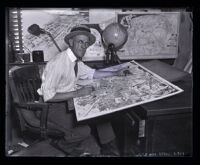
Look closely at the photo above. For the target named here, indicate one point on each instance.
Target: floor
(39, 149)
(31, 147)
(45, 149)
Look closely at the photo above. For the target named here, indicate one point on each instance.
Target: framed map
(57, 21)
(117, 93)
(151, 35)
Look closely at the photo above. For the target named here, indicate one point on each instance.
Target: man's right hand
(86, 90)
(123, 72)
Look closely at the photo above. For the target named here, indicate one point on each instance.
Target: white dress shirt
(59, 75)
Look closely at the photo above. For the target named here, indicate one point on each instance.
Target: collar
(71, 55)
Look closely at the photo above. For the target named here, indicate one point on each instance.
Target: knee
(87, 130)
(84, 130)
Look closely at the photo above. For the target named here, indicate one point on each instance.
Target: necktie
(76, 67)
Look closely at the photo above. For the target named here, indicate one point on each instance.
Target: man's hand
(123, 72)
(86, 90)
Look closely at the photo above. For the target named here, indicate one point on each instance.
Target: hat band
(80, 29)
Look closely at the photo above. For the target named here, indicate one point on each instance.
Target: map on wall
(57, 22)
(150, 35)
(117, 93)
(96, 50)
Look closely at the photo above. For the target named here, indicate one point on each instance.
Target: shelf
(29, 63)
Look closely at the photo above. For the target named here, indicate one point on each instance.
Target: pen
(91, 107)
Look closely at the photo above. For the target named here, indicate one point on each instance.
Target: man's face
(79, 45)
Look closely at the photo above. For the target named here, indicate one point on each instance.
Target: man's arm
(101, 74)
(65, 96)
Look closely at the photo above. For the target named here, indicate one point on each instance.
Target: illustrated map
(151, 34)
(59, 25)
(117, 93)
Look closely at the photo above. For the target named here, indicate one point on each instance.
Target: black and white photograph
(98, 82)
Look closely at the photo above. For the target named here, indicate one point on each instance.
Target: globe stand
(111, 55)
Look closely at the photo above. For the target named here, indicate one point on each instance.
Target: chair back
(24, 82)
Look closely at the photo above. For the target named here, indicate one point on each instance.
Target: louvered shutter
(15, 30)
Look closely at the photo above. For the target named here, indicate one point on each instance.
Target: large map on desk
(121, 92)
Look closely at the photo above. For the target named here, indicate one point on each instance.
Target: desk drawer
(171, 134)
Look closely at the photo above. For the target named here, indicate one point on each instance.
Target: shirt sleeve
(85, 72)
(50, 78)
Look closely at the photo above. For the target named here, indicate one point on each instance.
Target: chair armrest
(44, 108)
(30, 105)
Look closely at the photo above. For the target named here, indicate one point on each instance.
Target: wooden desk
(167, 125)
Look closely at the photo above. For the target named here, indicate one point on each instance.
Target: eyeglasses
(86, 44)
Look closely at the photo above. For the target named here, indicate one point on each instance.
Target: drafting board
(116, 93)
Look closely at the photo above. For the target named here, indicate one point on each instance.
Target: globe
(115, 34)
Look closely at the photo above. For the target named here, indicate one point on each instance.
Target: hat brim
(92, 38)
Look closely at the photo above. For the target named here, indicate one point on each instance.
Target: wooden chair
(24, 82)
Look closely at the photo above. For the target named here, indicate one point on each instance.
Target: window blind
(15, 34)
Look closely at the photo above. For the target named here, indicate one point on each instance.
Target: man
(58, 85)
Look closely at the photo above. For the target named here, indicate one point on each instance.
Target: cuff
(48, 94)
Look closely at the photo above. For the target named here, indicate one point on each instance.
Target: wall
(152, 34)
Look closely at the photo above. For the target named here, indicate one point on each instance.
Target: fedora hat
(80, 30)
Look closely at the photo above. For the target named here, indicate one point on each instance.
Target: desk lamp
(114, 37)
(36, 31)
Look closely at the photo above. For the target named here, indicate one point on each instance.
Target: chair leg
(69, 149)
(54, 143)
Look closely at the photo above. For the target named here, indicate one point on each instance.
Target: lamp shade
(35, 30)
